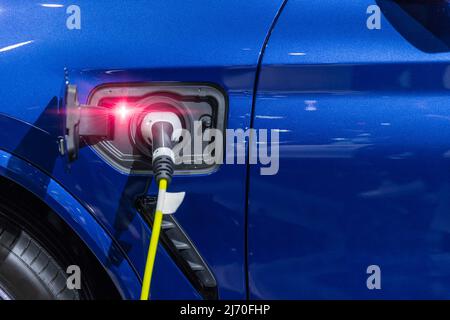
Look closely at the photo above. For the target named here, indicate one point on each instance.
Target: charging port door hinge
(82, 121)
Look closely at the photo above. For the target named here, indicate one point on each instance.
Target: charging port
(110, 122)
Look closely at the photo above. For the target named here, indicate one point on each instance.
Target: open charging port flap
(110, 123)
(83, 121)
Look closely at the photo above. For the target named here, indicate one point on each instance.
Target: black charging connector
(162, 151)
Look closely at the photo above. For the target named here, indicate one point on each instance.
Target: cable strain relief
(163, 168)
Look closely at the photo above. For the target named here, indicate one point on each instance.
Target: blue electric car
(356, 94)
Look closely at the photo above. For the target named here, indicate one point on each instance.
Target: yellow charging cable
(145, 293)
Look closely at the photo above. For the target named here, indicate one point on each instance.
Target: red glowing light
(123, 110)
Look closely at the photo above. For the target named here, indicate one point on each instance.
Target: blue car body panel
(364, 175)
(364, 141)
(146, 41)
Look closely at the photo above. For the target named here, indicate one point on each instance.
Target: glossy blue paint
(363, 121)
(364, 172)
(142, 41)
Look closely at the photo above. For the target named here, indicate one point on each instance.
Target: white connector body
(154, 117)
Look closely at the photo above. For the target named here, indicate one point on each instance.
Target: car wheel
(27, 270)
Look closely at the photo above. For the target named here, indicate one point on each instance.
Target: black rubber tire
(27, 270)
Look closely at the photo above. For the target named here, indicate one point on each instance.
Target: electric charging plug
(161, 130)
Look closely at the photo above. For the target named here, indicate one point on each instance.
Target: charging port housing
(126, 149)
